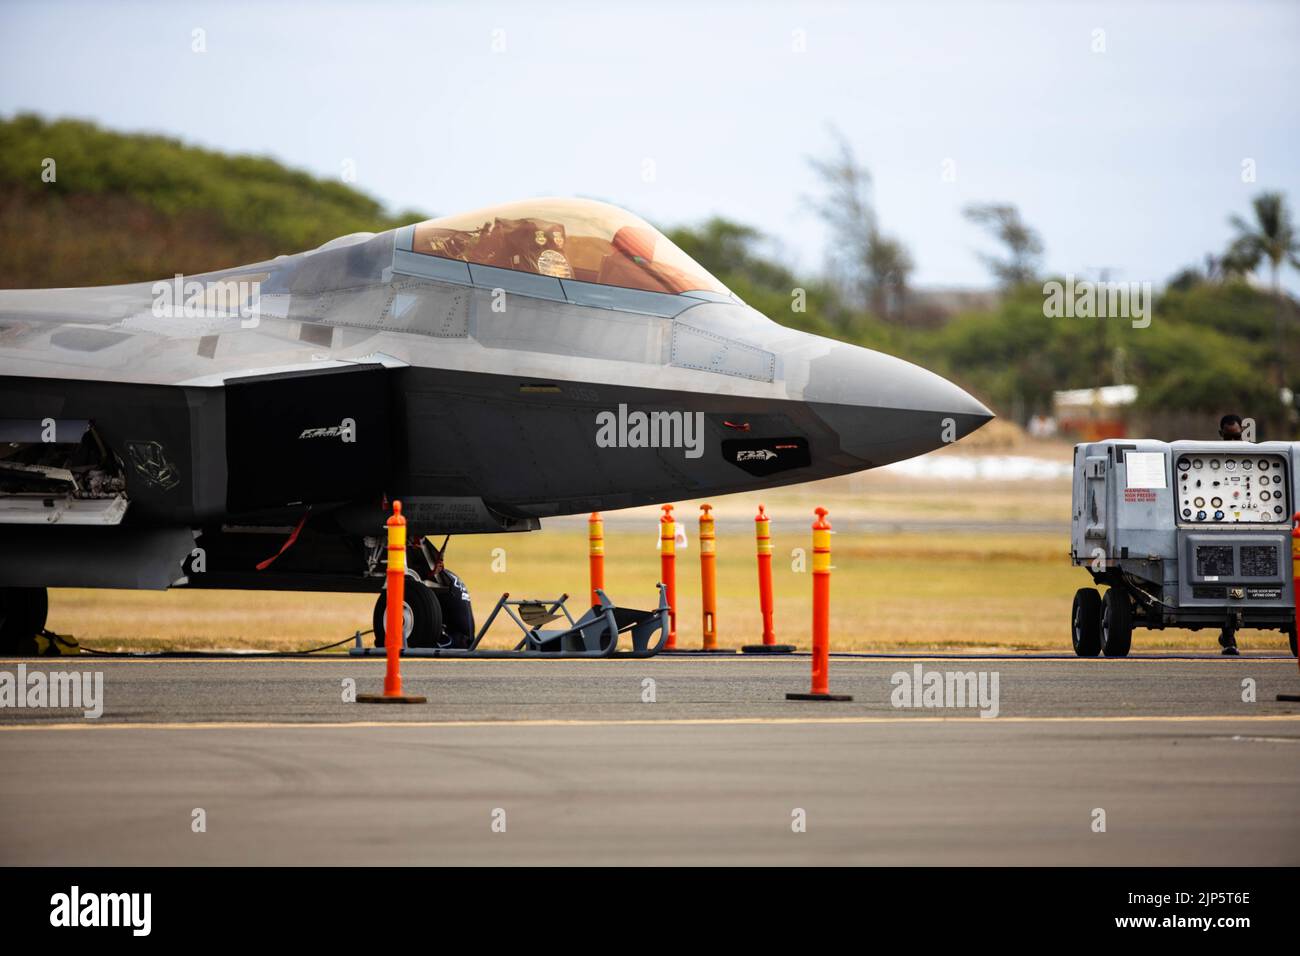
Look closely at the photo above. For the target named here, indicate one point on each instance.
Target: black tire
(22, 616)
(1290, 639)
(1116, 623)
(421, 608)
(38, 608)
(1085, 622)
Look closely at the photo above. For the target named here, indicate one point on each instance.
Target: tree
(751, 266)
(1024, 245)
(1271, 237)
(889, 265)
(1236, 263)
(873, 266)
(734, 249)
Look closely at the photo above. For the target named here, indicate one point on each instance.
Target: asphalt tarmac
(683, 760)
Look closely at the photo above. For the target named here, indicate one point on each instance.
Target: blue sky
(1128, 159)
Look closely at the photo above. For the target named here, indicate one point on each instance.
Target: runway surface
(670, 760)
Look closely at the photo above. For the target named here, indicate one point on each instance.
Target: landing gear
(22, 617)
(1228, 641)
(1116, 623)
(1085, 622)
(421, 616)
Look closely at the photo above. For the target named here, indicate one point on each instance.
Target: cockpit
(574, 239)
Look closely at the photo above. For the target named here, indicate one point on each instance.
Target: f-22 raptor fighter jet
(247, 428)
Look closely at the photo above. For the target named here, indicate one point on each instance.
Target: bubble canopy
(567, 239)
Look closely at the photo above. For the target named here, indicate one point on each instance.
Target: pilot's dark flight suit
(457, 611)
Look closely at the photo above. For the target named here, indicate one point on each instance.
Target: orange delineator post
(393, 637)
(821, 626)
(821, 623)
(668, 570)
(396, 598)
(709, 577)
(596, 554)
(763, 541)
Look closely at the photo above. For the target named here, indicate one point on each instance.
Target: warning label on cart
(1264, 594)
(1139, 494)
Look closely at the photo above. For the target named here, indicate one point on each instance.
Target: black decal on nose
(767, 456)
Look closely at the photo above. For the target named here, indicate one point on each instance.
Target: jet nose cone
(885, 409)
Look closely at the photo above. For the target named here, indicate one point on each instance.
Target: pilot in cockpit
(548, 257)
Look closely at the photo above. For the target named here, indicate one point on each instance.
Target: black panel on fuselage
(307, 437)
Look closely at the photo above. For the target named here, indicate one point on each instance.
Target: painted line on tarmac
(845, 657)
(1039, 656)
(643, 722)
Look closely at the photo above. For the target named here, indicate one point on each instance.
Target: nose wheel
(22, 616)
(421, 616)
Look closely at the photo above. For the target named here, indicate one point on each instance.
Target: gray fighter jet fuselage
(247, 428)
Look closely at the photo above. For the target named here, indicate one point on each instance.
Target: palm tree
(1023, 243)
(875, 267)
(889, 265)
(1271, 237)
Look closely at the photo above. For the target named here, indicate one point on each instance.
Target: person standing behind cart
(1230, 428)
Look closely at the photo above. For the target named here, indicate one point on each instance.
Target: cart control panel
(1218, 488)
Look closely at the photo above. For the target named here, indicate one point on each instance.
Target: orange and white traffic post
(708, 578)
(596, 554)
(763, 540)
(709, 582)
(821, 622)
(668, 570)
(393, 624)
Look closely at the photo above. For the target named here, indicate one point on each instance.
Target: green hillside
(130, 207)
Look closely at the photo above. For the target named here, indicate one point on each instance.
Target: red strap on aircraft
(293, 536)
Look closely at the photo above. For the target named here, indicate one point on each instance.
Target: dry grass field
(920, 563)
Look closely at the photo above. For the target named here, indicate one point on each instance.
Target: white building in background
(1094, 414)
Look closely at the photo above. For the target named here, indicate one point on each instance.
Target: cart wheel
(1116, 623)
(1085, 622)
(421, 616)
